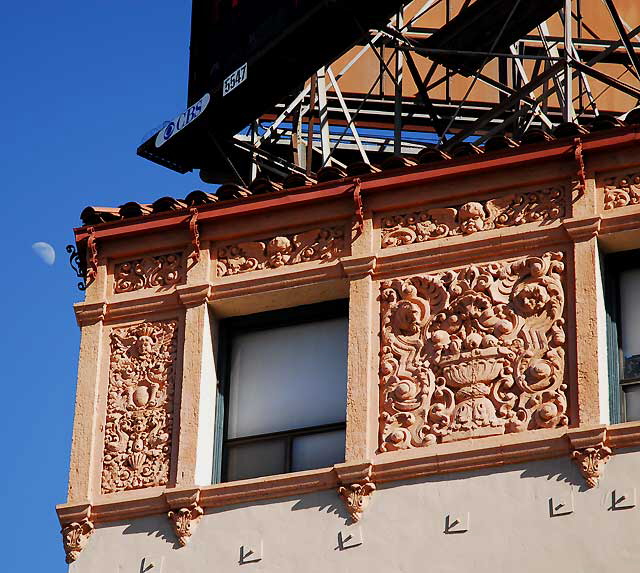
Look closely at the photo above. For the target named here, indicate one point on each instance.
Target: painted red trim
(371, 183)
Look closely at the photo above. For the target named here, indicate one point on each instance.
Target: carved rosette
(511, 210)
(184, 521)
(356, 497)
(621, 191)
(75, 536)
(591, 462)
(137, 446)
(323, 245)
(154, 271)
(471, 352)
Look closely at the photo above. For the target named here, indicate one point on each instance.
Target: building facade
(428, 365)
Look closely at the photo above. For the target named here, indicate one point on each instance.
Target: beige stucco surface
(510, 528)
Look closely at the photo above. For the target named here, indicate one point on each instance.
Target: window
(623, 310)
(284, 391)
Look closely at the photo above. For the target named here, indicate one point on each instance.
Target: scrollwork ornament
(591, 462)
(184, 521)
(323, 245)
(621, 191)
(472, 352)
(153, 271)
(539, 206)
(74, 538)
(356, 497)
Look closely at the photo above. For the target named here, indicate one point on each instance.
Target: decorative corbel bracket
(77, 528)
(590, 454)
(357, 203)
(195, 235)
(92, 257)
(185, 512)
(357, 488)
(579, 157)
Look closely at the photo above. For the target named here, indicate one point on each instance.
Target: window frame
(267, 320)
(615, 265)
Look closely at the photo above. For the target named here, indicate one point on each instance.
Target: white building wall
(510, 528)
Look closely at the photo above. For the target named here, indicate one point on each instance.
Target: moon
(45, 251)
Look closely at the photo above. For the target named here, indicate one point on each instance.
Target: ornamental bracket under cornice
(185, 512)
(77, 528)
(357, 488)
(590, 453)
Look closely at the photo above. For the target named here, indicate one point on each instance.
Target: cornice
(267, 280)
(582, 229)
(452, 251)
(359, 267)
(388, 467)
(193, 295)
(88, 313)
(620, 219)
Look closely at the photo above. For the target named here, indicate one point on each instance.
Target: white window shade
(630, 321)
(288, 377)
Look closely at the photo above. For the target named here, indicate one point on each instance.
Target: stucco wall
(510, 528)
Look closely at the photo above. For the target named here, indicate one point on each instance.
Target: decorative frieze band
(322, 245)
(137, 448)
(515, 209)
(621, 191)
(152, 271)
(476, 351)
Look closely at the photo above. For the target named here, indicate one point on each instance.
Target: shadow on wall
(152, 527)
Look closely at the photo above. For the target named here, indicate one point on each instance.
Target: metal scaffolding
(422, 95)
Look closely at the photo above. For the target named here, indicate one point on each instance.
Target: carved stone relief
(75, 536)
(511, 210)
(322, 245)
(138, 429)
(153, 271)
(621, 191)
(591, 462)
(184, 521)
(356, 497)
(471, 352)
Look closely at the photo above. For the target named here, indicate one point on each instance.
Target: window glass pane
(289, 377)
(262, 458)
(630, 322)
(317, 450)
(632, 402)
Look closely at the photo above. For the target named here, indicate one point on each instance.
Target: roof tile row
(429, 155)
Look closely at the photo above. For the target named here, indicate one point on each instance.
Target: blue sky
(82, 84)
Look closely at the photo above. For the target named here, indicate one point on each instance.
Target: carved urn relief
(472, 352)
(137, 446)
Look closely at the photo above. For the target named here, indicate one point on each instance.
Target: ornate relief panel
(471, 352)
(321, 245)
(153, 271)
(137, 447)
(511, 210)
(621, 191)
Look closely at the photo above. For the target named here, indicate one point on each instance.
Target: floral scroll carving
(356, 497)
(621, 191)
(511, 210)
(184, 521)
(75, 536)
(153, 271)
(322, 245)
(591, 462)
(139, 406)
(476, 351)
